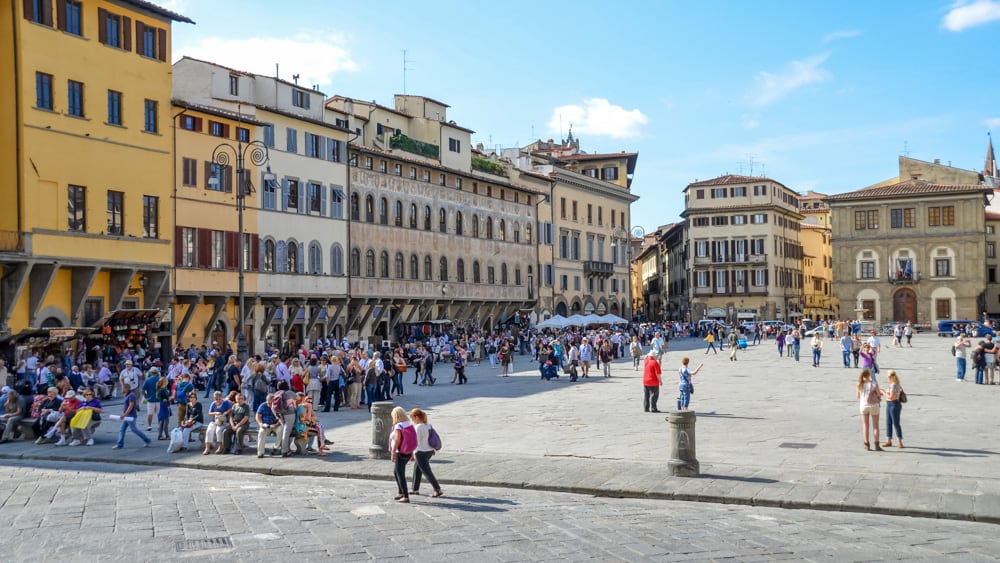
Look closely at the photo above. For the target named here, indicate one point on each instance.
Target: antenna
(405, 68)
(295, 77)
(276, 74)
(906, 148)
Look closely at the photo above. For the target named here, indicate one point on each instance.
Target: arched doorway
(904, 305)
(561, 309)
(52, 322)
(220, 335)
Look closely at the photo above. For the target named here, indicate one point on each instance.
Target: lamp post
(620, 233)
(257, 153)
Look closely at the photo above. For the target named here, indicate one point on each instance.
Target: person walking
(780, 340)
(893, 408)
(606, 354)
(817, 348)
(129, 414)
(651, 381)
(962, 346)
(711, 343)
(686, 386)
(870, 398)
(635, 349)
(733, 345)
(423, 454)
(845, 349)
(856, 349)
(402, 443)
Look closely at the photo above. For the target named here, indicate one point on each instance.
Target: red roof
(731, 179)
(909, 188)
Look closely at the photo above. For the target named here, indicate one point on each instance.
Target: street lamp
(620, 233)
(257, 153)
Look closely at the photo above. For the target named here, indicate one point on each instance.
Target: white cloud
(841, 34)
(598, 116)
(749, 121)
(772, 87)
(963, 15)
(314, 56)
(174, 5)
(993, 123)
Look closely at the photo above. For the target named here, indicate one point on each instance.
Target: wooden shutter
(140, 37)
(232, 259)
(290, 139)
(302, 197)
(284, 194)
(47, 12)
(61, 13)
(178, 246)
(281, 257)
(343, 151)
(204, 248)
(208, 174)
(227, 179)
(301, 262)
(127, 33)
(256, 249)
(323, 210)
(29, 10)
(161, 44)
(102, 24)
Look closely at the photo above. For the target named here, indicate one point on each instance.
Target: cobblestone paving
(122, 512)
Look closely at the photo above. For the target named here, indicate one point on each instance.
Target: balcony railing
(591, 268)
(733, 291)
(903, 278)
(738, 259)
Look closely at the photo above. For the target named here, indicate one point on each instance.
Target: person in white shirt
(131, 375)
(876, 346)
(423, 454)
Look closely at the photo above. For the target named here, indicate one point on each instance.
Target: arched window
(491, 275)
(383, 211)
(336, 260)
(517, 275)
(370, 263)
(443, 274)
(398, 219)
(315, 258)
(489, 228)
(355, 208)
(427, 217)
(355, 262)
(475, 272)
(475, 226)
(383, 265)
(517, 233)
(268, 255)
(413, 215)
(442, 220)
(428, 268)
(399, 265)
(369, 208)
(414, 267)
(503, 274)
(527, 233)
(458, 222)
(293, 257)
(281, 256)
(460, 270)
(503, 230)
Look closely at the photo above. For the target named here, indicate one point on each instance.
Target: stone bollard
(683, 462)
(381, 428)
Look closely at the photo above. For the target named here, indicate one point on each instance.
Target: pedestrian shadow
(714, 414)
(340, 456)
(737, 478)
(473, 504)
(949, 452)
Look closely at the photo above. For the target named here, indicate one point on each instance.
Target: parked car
(972, 328)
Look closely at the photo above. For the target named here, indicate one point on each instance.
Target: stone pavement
(771, 432)
(119, 512)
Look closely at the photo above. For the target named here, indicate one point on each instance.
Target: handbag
(902, 396)
(81, 419)
(690, 388)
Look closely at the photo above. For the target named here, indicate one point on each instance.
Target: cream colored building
(818, 300)
(744, 248)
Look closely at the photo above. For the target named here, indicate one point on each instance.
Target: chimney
(937, 161)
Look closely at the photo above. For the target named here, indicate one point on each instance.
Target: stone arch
(54, 313)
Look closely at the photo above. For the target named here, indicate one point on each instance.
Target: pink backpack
(409, 443)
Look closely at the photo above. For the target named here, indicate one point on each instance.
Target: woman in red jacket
(651, 382)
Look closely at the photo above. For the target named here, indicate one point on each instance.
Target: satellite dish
(638, 232)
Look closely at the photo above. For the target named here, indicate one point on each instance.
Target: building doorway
(904, 306)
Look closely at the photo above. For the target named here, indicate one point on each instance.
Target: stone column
(381, 428)
(683, 462)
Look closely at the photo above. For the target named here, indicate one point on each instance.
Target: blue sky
(821, 96)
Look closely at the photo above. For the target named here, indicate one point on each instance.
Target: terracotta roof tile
(731, 179)
(159, 10)
(908, 188)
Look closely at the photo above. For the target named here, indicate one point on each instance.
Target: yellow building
(817, 260)
(86, 226)
(206, 255)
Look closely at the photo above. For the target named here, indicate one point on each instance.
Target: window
(943, 308)
(337, 206)
(592, 172)
(148, 41)
(337, 260)
(442, 220)
(942, 267)
(491, 276)
(268, 131)
(527, 233)
(503, 230)
(370, 208)
(475, 272)
(313, 148)
(739, 220)
(700, 222)
(701, 248)
(370, 263)
(110, 32)
(458, 222)
(609, 173)
(442, 180)
(190, 123)
(425, 175)
(574, 210)
(383, 265)
(43, 90)
(718, 193)
(701, 279)
(454, 145)
(268, 256)
(489, 228)
(399, 266)
(758, 218)
(460, 270)
(740, 191)
(355, 262)
(368, 163)
(315, 197)
(188, 247)
(150, 216)
(443, 269)
(333, 148)
(590, 214)
(720, 220)
(292, 197)
(77, 208)
(760, 278)
(902, 218)
(428, 268)
(300, 99)
(218, 250)
(217, 129)
(867, 270)
(383, 211)
(291, 140)
(220, 178)
(414, 267)
(114, 108)
(413, 215)
(413, 173)
(234, 85)
(115, 211)
(243, 134)
(427, 217)
(315, 259)
(562, 208)
(397, 213)
(74, 98)
(721, 247)
(991, 250)
(503, 274)
(941, 216)
(39, 11)
(549, 275)
(151, 123)
(270, 194)
(397, 169)
(757, 247)
(475, 226)
(293, 258)
(355, 207)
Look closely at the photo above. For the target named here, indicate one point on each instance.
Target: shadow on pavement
(949, 452)
(735, 478)
(726, 415)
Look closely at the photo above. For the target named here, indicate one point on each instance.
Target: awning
(39, 337)
(129, 317)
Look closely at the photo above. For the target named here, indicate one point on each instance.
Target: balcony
(900, 278)
(738, 259)
(594, 268)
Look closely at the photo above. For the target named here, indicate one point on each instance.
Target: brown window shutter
(178, 246)
(102, 24)
(139, 29)
(29, 9)
(208, 174)
(197, 124)
(232, 250)
(204, 248)
(228, 179)
(61, 14)
(47, 12)
(254, 253)
(161, 44)
(126, 33)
